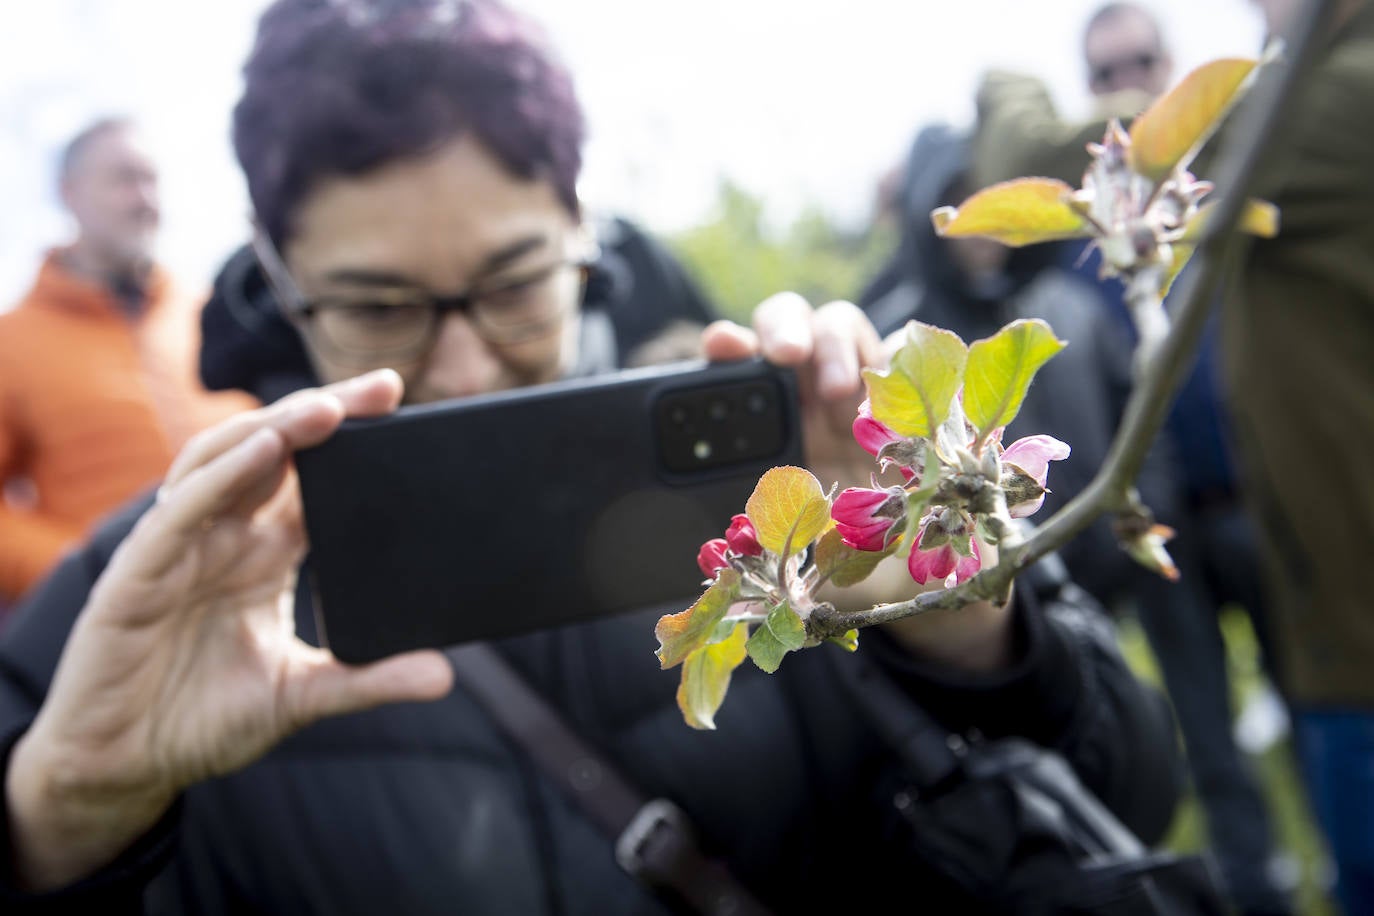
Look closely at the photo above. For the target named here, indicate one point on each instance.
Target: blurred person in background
(1294, 341)
(98, 380)
(1128, 64)
(1297, 339)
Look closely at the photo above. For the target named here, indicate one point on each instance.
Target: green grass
(1293, 825)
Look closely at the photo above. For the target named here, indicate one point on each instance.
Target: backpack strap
(653, 837)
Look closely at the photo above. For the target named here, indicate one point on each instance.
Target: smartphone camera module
(720, 425)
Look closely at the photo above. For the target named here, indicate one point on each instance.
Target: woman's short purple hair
(341, 87)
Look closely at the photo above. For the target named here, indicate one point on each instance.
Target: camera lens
(756, 402)
(718, 411)
(677, 415)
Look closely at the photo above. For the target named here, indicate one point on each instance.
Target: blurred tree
(739, 260)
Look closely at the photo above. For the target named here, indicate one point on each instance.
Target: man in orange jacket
(98, 380)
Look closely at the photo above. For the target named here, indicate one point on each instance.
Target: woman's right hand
(185, 663)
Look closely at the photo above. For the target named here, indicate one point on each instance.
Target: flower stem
(1147, 314)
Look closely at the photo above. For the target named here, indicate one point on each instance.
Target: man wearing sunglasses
(1123, 50)
(1128, 65)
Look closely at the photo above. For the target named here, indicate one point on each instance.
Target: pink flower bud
(711, 557)
(943, 562)
(1030, 457)
(865, 517)
(887, 446)
(870, 433)
(742, 538)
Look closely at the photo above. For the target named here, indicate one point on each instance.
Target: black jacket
(1079, 395)
(427, 808)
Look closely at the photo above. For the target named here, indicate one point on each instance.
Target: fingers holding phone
(303, 418)
(184, 663)
(829, 346)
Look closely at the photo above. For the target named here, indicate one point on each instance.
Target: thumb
(331, 688)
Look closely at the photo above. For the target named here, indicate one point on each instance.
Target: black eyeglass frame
(295, 304)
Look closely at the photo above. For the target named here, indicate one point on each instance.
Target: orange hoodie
(93, 405)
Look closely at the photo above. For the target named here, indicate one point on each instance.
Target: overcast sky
(798, 102)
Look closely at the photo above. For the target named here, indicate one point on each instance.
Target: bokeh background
(800, 107)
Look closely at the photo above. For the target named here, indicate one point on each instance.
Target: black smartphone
(550, 505)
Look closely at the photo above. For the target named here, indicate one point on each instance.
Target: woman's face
(445, 224)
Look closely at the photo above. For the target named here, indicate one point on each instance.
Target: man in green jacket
(1298, 341)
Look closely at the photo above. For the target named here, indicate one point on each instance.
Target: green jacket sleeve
(1020, 133)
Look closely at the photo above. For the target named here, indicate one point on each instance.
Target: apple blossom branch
(1161, 372)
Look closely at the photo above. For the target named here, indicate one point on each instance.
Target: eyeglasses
(401, 325)
(1105, 75)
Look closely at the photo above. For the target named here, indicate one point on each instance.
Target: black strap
(937, 758)
(933, 755)
(652, 836)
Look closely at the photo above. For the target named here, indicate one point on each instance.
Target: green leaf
(1023, 211)
(706, 678)
(782, 632)
(788, 509)
(912, 396)
(917, 501)
(1000, 370)
(1171, 131)
(848, 642)
(679, 635)
(845, 565)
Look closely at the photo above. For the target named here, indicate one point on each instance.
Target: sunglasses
(1105, 74)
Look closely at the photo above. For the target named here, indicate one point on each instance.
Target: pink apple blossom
(888, 446)
(742, 538)
(711, 558)
(1029, 458)
(865, 517)
(941, 561)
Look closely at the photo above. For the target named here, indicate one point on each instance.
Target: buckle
(635, 850)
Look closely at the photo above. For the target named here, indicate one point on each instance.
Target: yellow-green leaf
(844, 565)
(1023, 211)
(788, 509)
(781, 632)
(706, 678)
(1000, 370)
(913, 395)
(1171, 131)
(681, 634)
(848, 642)
(1257, 217)
(1182, 253)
